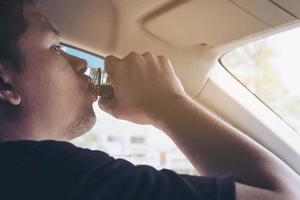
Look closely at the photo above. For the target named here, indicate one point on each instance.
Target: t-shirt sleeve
(93, 175)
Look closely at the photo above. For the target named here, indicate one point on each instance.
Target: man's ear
(7, 90)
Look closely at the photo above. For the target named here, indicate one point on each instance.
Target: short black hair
(12, 26)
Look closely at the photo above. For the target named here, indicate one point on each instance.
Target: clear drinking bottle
(100, 83)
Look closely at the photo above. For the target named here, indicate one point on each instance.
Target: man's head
(43, 91)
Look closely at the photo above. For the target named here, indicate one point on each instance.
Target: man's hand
(143, 84)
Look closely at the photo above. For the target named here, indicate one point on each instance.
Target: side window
(136, 143)
(270, 69)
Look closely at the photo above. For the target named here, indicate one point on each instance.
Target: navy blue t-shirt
(59, 170)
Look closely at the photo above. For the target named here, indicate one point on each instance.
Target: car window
(136, 143)
(93, 60)
(270, 69)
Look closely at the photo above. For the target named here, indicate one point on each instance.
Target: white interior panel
(274, 16)
(213, 22)
(291, 6)
(88, 23)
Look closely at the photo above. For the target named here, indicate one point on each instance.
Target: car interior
(230, 55)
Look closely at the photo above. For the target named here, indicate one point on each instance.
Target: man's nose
(79, 65)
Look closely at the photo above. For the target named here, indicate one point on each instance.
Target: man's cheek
(73, 88)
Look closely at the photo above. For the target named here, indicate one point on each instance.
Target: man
(45, 100)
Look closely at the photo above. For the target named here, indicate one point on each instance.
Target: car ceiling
(192, 33)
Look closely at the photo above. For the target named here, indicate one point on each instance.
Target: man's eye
(58, 48)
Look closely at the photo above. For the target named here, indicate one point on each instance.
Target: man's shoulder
(38, 144)
(46, 149)
(33, 142)
(30, 144)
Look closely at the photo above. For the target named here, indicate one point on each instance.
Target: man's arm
(147, 91)
(217, 149)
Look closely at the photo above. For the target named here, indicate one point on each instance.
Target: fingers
(106, 91)
(150, 58)
(148, 55)
(166, 63)
(132, 55)
(141, 58)
(111, 63)
(108, 105)
(138, 79)
(164, 60)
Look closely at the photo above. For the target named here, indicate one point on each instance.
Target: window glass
(270, 69)
(92, 60)
(136, 143)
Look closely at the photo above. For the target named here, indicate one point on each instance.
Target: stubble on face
(82, 124)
